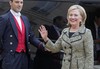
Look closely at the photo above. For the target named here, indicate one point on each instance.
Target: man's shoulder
(5, 16)
(24, 16)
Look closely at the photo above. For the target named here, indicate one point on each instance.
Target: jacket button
(11, 36)
(11, 50)
(29, 35)
(70, 47)
(69, 60)
(69, 53)
(65, 47)
(29, 50)
(28, 42)
(11, 43)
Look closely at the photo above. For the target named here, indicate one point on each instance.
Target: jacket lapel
(13, 24)
(75, 37)
(26, 26)
(78, 35)
(65, 35)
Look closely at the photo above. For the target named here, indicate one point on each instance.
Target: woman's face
(74, 17)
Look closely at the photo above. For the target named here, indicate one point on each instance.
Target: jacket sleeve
(33, 39)
(3, 22)
(88, 49)
(54, 47)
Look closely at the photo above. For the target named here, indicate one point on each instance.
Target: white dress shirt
(17, 16)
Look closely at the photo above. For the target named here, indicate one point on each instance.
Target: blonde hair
(81, 10)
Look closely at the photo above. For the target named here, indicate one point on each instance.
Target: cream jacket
(78, 49)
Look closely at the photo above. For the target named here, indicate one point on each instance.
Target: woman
(75, 40)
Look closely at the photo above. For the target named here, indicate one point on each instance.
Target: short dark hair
(57, 18)
(59, 21)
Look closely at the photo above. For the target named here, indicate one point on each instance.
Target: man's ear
(10, 2)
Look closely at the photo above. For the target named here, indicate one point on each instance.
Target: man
(97, 33)
(46, 59)
(15, 37)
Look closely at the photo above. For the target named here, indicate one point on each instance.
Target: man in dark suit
(46, 59)
(97, 29)
(15, 37)
(0, 59)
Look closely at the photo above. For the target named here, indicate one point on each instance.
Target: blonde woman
(76, 41)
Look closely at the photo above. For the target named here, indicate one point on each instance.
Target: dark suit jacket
(45, 59)
(9, 34)
(53, 35)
